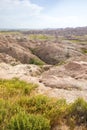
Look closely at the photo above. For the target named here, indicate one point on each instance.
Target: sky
(39, 14)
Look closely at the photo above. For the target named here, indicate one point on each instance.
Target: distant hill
(60, 31)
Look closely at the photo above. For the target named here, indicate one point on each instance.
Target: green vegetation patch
(75, 41)
(14, 87)
(23, 121)
(40, 37)
(84, 50)
(10, 32)
(20, 109)
(77, 113)
(51, 108)
(36, 61)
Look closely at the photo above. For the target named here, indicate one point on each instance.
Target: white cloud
(18, 8)
(25, 14)
(14, 12)
(46, 21)
(15, 4)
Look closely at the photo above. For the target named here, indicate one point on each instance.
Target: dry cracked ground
(57, 65)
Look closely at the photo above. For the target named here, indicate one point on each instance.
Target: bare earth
(56, 82)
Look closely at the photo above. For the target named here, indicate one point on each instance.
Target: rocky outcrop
(72, 75)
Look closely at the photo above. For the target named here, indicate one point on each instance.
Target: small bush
(36, 61)
(84, 50)
(7, 110)
(51, 108)
(15, 87)
(23, 121)
(77, 113)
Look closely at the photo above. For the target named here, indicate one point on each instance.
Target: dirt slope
(14, 48)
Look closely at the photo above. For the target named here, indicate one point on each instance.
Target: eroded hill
(39, 49)
(57, 63)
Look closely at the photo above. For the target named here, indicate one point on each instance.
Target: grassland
(40, 37)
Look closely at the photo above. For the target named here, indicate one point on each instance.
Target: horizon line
(8, 29)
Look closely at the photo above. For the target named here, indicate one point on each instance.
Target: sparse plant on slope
(36, 61)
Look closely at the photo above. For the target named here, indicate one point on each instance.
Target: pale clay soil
(55, 82)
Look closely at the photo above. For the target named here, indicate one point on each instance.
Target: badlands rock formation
(58, 65)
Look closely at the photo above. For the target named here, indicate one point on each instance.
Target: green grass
(20, 109)
(40, 37)
(10, 32)
(84, 51)
(61, 63)
(75, 41)
(36, 61)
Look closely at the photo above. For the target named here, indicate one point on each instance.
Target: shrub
(51, 108)
(84, 50)
(7, 110)
(35, 104)
(3, 112)
(15, 87)
(36, 61)
(23, 121)
(77, 112)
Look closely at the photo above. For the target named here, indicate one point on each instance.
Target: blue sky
(42, 13)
